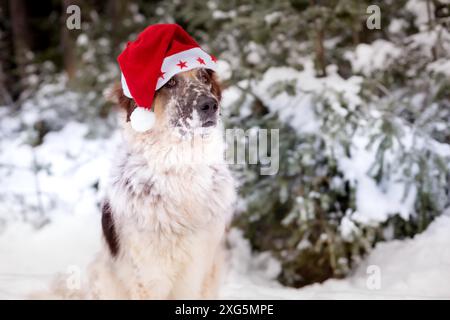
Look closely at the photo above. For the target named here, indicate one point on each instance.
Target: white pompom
(142, 119)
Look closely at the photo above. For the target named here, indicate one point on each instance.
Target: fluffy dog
(169, 200)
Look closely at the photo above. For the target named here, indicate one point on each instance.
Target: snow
(297, 109)
(255, 52)
(396, 25)
(224, 71)
(419, 9)
(417, 268)
(57, 177)
(348, 228)
(220, 15)
(426, 40)
(440, 66)
(82, 40)
(30, 258)
(273, 17)
(378, 55)
(374, 203)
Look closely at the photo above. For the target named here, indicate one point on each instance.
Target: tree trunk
(320, 53)
(67, 42)
(20, 34)
(431, 25)
(117, 9)
(318, 44)
(355, 32)
(5, 54)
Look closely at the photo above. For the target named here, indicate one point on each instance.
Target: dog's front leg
(213, 277)
(145, 274)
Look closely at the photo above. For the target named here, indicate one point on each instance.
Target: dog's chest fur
(159, 193)
(173, 200)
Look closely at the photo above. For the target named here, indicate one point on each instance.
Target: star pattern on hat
(200, 60)
(213, 59)
(161, 74)
(182, 64)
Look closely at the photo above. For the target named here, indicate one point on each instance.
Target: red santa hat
(158, 53)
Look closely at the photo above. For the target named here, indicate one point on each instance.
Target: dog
(169, 200)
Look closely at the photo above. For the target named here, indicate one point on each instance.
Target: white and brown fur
(169, 200)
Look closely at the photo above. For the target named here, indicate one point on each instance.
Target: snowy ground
(418, 268)
(412, 269)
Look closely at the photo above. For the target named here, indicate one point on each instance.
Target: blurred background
(361, 97)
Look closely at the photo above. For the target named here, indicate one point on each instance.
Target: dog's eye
(171, 83)
(204, 78)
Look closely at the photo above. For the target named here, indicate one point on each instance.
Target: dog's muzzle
(207, 109)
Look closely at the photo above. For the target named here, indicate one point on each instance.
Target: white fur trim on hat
(142, 119)
(125, 89)
(190, 59)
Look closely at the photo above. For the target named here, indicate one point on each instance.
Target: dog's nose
(207, 106)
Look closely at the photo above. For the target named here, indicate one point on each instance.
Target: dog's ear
(216, 87)
(121, 100)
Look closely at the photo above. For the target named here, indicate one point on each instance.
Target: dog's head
(189, 101)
